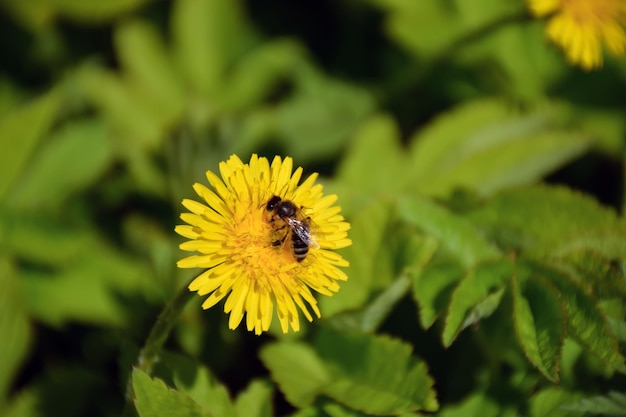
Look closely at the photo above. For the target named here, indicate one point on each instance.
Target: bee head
(272, 203)
(286, 209)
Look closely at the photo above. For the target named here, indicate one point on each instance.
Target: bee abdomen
(300, 247)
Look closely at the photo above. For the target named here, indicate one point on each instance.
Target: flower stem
(150, 353)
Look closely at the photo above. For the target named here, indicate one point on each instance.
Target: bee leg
(279, 242)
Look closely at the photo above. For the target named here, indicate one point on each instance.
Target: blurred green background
(111, 110)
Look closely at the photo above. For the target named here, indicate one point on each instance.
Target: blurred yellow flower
(580, 27)
(249, 250)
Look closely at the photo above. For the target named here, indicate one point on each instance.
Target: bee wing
(303, 230)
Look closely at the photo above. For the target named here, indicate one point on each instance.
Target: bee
(298, 226)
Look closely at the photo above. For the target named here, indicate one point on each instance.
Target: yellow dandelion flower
(254, 256)
(580, 27)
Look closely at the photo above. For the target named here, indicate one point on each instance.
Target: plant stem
(150, 353)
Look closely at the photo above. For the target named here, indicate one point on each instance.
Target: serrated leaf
(484, 284)
(597, 271)
(432, 289)
(613, 404)
(539, 321)
(15, 331)
(154, 399)
(21, 129)
(454, 232)
(148, 66)
(298, 371)
(57, 171)
(586, 322)
(550, 402)
(375, 374)
(549, 220)
(255, 400)
(487, 147)
(198, 383)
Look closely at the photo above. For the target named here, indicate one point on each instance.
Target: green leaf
(438, 146)
(70, 161)
(550, 220)
(476, 405)
(613, 404)
(375, 144)
(95, 11)
(419, 27)
(320, 116)
(368, 319)
(21, 129)
(154, 399)
(23, 404)
(454, 232)
(586, 322)
(367, 232)
(539, 322)
(550, 402)
(122, 106)
(207, 35)
(375, 374)
(476, 297)
(38, 239)
(148, 66)
(15, 331)
(416, 251)
(597, 271)
(256, 400)
(62, 295)
(432, 289)
(297, 369)
(257, 73)
(486, 147)
(332, 409)
(197, 382)
(529, 63)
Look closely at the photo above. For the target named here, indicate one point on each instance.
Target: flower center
(254, 245)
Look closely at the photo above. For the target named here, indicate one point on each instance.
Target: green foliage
(376, 375)
(482, 176)
(613, 404)
(154, 398)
